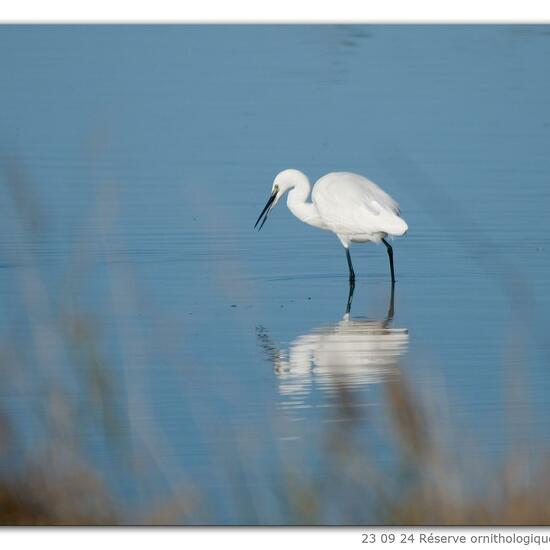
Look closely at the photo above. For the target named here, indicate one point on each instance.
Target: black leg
(390, 306)
(350, 295)
(351, 281)
(350, 265)
(390, 256)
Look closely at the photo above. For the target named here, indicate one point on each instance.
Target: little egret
(347, 204)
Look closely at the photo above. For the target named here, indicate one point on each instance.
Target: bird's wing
(351, 204)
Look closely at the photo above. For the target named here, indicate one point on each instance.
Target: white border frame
(275, 11)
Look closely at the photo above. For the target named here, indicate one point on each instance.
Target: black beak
(265, 211)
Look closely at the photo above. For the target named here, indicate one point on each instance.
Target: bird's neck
(298, 205)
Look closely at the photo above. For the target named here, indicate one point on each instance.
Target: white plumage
(356, 209)
(349, 205)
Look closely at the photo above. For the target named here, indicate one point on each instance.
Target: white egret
(347, 204)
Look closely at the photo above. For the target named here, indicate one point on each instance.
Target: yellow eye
(276, 188)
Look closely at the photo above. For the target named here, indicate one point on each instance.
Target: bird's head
(283, 182)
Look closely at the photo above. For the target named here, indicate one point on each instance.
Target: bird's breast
(367, 237)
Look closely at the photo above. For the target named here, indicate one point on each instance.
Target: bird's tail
(397, 226)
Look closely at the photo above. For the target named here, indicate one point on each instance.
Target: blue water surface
(135, 161)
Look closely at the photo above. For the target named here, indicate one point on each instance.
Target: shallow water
(135, 161)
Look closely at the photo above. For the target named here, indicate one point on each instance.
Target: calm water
(139, 158)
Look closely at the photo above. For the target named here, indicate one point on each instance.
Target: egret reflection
(349, 354)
